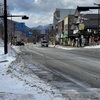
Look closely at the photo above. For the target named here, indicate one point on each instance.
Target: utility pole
(5, 26)
(11, 30)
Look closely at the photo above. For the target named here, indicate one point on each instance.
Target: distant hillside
(14, 24)
(43, 29)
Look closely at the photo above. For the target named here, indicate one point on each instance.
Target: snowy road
(73, 72)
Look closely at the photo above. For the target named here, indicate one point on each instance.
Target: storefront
(65, 39)
(58, 38)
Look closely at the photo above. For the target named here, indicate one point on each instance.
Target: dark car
(19, 43)
(44, 43)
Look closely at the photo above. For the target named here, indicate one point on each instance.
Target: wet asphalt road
(83, 65)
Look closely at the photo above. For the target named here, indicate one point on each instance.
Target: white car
(44, 43)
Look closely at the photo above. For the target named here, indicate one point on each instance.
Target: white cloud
(35, 19)
(41, 11)
(42, 19)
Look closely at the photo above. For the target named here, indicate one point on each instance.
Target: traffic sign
(30, 33)
(20, 26)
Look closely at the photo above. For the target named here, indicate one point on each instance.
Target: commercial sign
(81, 26)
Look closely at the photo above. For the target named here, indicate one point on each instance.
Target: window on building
(58, 13)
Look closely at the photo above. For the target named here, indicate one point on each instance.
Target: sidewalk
(65, 47)
(72, 48)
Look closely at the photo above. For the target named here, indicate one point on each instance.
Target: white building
(60, 14)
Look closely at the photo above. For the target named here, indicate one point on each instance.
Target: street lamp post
(98, 17)
(11, 30)
(5, 26)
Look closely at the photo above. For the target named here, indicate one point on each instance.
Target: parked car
(44, 43)
(20, 43)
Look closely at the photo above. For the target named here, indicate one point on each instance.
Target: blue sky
(40, 12)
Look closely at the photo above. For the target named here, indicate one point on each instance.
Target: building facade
(86, 28)
(58, 19)
(68, 20)
(60, 31)
(60, 14)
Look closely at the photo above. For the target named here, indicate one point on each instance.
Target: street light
(98, 16)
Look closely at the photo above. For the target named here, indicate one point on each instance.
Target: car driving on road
(19, 43)
(44, 43)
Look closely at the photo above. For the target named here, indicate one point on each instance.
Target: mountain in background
(43, 29)
(17, 26)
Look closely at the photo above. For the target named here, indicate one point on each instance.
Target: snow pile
(1, 43)
(66, 47)
(94, 46)
(72, 48)
(17, 82)
(16, 48)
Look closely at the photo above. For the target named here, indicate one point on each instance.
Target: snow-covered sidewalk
(72, 48)
(17, 82)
